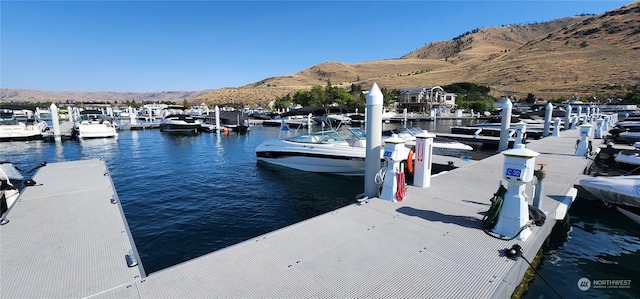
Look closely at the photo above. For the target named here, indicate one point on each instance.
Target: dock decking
(429, 245)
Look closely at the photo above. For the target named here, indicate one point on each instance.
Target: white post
(374, 140)
(217, 111)
(505, 125)
(56, 122)
(548, 112)
(567, 116)
(404, 116)
(423, 153)
(521, 128)
(556, 127)
(132, 116)
(579, 115)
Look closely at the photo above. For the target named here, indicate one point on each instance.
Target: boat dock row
(67, 236)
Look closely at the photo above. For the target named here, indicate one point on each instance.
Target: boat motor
(394, 153)
(518, 169)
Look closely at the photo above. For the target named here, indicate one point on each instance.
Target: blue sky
(166, 46)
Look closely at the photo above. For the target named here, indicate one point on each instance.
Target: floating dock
(68, 238)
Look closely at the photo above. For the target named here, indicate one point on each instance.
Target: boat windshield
(329, 136)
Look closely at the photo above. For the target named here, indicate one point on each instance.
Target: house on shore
(424, 99)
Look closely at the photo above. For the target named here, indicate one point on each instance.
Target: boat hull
(96, 131)
(20, 132)
(618, 190)
(328, 158)
(180, 124)
(628, 160)
(180, 128)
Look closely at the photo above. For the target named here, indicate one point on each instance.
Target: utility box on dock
(519, 164)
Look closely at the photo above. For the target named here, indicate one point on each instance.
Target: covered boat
(623, 192)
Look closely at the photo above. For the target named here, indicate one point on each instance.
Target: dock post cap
(519, 150)
(425, 135)
(374, 96)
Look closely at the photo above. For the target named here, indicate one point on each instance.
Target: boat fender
(410, 160)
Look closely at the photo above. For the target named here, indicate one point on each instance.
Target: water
(186, 196)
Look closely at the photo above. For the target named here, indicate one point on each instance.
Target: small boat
(623, 192)
(19, 127)
(236, 121)
(94, 124)
(441, 146)
(294, 121)
(179, 123)
(629, 137)
(629, 159)
(340, 152)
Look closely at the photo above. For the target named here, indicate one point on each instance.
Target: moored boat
(94, 124)
(14, 129)
(441, 146)
(340, 152)
(623, 192)
(629, 160)
(179, 123)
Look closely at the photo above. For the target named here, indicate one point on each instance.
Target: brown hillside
(573, 56)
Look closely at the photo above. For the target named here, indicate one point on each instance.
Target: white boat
(441, 146)
(179, 123)
(621, 191)
(630, 137)
(629, 159)
(13, 129)
(294, 121)
(94, 124)
(340, 152)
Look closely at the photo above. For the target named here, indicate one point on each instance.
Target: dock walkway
(430, 245)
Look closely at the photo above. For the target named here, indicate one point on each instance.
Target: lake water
(186, 196)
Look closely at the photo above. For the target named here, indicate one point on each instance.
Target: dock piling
(505, 125)
(56, 122)
(547, 119)
(374, 140)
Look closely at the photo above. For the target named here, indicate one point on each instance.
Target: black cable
(545, 281)
(515, 252)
